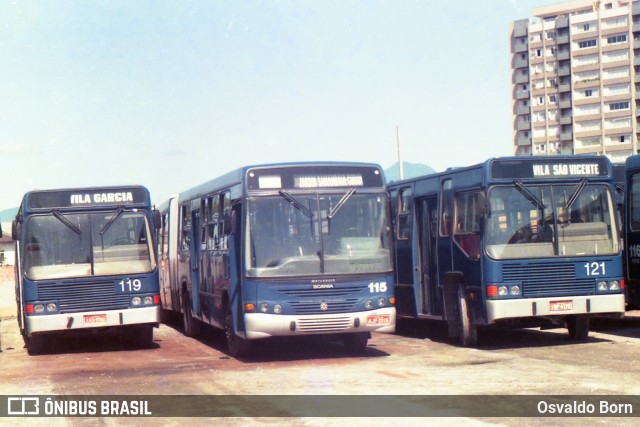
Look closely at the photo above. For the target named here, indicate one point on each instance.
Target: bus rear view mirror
(156, 219)
(15, 230)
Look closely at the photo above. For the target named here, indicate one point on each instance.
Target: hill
(410, 170)
(8, 215)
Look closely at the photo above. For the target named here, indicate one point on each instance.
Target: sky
(170, 94)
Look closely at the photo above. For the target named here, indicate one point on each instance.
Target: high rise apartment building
(575, 72)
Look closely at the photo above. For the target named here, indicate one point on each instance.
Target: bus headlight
(38, 308)
(503, 291)
(264, 307)
(136, 301)
(52, 307)
(368, 304)
(381, 302)
(614, 285)
(602, 286)
(148, 300)
(514, 290)
(277, 309)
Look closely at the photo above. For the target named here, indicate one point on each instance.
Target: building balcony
(523, 125)
(522, 94)
(566, 120)
(565, 87)
(522, 109)
(564, 71)
(566, 136)
(565, 103)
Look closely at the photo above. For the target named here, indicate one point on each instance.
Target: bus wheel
(236, 346)
(191, 326)
(468, 331)
(578, 327)
(35, 344)
(356, 343)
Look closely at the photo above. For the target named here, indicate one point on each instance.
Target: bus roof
(273, 182)
(633, 162)
(84, 198)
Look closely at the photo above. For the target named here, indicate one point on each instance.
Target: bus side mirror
(15, 230)
(156, 219)
(482, 204)
(233, 222)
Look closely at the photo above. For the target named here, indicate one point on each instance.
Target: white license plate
(560, 305)
(92, 319)
(378, 320)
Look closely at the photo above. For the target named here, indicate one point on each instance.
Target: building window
(588, 92)
(622, 138)
(617, 39)
(619, 106)
(585, 27)
(587, 43)
(552, 99)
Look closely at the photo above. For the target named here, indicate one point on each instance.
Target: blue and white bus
(281, 250)
(526, 240)
(86, 261)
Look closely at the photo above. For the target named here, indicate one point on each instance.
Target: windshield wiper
(302, 208)
(575, 194)
(529, 195)
(111, 220)
(342, 201)
(66, 222)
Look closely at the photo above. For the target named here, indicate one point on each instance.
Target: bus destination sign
(86, 197)
(319, 178)
(324, 181)
(537, 168)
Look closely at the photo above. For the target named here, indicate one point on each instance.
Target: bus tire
(578, 327)
(356, 343)
(191, 326)
(468, 330)
(236, 346)
(35, 344)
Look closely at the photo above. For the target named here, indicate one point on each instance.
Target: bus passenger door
(195, 261)
(427, 228)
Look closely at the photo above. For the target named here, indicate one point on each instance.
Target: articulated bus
(281, 250)
(86, 262)
(514, 241)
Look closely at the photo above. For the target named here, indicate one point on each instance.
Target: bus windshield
(532, 221)
(61, 245)
(290, 235)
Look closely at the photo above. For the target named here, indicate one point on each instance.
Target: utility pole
(399, 153)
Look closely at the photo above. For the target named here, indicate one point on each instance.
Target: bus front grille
(322, 292)
(323, 307)
(76, 297)
(539, 280)
(323, 325)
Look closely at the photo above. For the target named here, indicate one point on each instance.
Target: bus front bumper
(93, 319)
(554, 307)
(261, 325)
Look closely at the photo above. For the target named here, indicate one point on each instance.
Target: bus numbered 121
(86, 262)
(281, 250)
(515, 241)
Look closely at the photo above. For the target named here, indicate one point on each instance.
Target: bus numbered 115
(86, 262)
(517, 241)
(281, 250)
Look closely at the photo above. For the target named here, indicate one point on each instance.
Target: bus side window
(212, 222)
(446, 213)
(467, 231)
(404, 214)
(225, 225)
(185, 227)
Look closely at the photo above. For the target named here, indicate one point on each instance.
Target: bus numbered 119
(529, 241)
(281, 250)
(86, 262)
